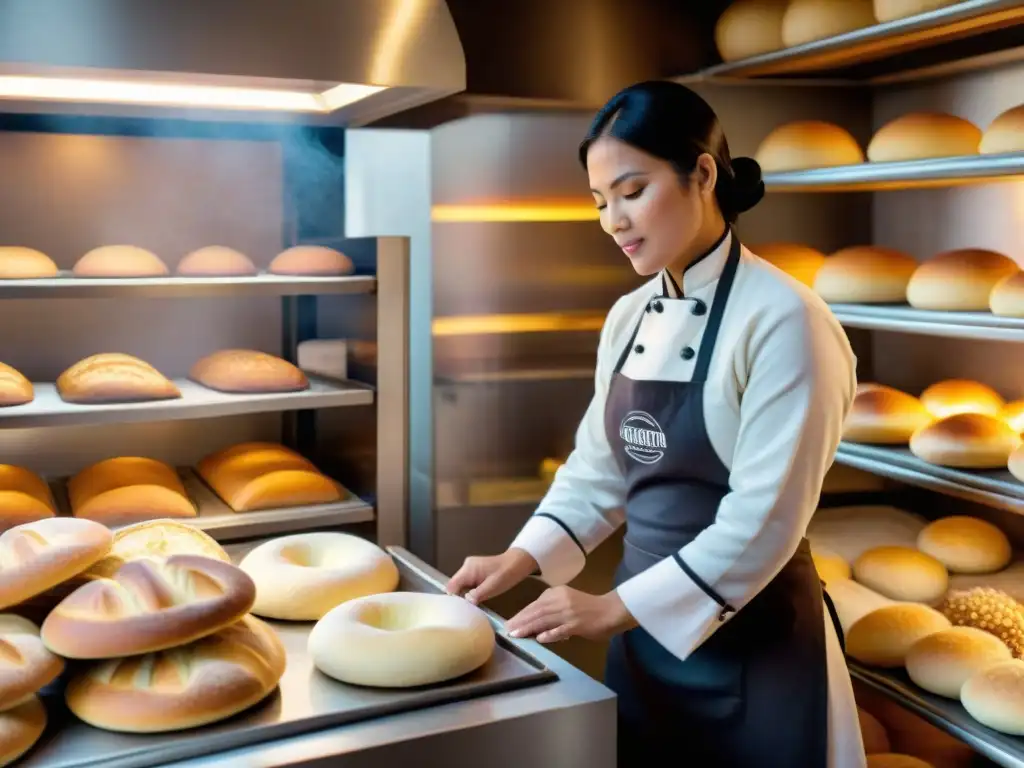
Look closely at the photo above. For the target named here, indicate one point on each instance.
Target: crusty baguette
(112, 377)
(246, 370)
(15, 389)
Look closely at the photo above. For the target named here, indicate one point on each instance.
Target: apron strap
(707, 343)
(834, 615)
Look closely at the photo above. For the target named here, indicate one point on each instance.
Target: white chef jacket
(780, 385)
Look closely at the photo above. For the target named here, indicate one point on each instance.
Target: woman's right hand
(481, 578)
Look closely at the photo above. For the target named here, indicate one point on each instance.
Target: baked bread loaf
(942, 662)
(966, 441)
(112, 377)
(807, 144)
(25, 264)
(882, 415)
(1007, 297)
(830, 566)
(966, 544)
(128, 489)
(246, 370)
(254, 476)
(216, 261)
(883, 637)
(1013, 414)
(749, 28)
(852, 531)
(809, 20)
(989, 610)
(401, 640)
(148, 605)
(312, 260)
(24, 497)
(953, 396)
(206, 681)
(902, 574)
(156, 539)
(891, 10)
(20, 729)
(958, 281)
(26, 666)
(865, 274)
(923, 135)
(1005, 134)
(895, 760)
(798, 261)
(994, 697)
(872, 733)
(15, 389)
(38, 556)
(120, 261)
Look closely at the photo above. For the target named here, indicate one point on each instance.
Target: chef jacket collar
(700, 272)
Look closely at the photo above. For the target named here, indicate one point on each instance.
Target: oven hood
(334, 62)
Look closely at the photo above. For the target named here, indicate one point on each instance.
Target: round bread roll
(966, 544)
(15, 389)
(953, 396)
(25, 264)
(120, 261)
(156, 539)
(854, 601)
(881, 415)
(798, 261)
(830, 566)
(941, 662)
(149, 605)
(302, 577)
(24, 497)
(1007, 297)
(312, 260)
(883, 637)
(1005, 134)
(186, 687)
(26, 666)
(246, 370)
(1013, 414)
(1016, 463)
(749, 28)
(112, 377)
(891, 10)
(923, 135)
(989, 610)
(958, 281)
(20, 729)
(966, 441)
(865, 274)
(37, 556)
(809, 20)
(808, 144)
(894, 760)
(128, 489)
(216, 261)
(902, 573)
(994, 697)
(401, 640)
(872, 733)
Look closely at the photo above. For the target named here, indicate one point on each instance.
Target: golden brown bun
(895, 760)
(209, 680)
(808, 20)
(128, 489)
(854, 601)
(216, 261)
(942, 662)
(890, 10)
(966, 441)
(1016, 463)
(830, 566)
(989, 610)
(112, 377)
(749, 28)
(254, 476)
(966, 544)
(872, 733)
(24, 497)
(1007, 297)
(958, 281)
(808, 144)
(147, 606)
(1006, 134)
(245, 370)
(26, 666)
(953, 396)
(865, 274)
(798, 261)
(901, 573)
(38, 556)
(156, 539)
(1013, 414)
(15, 389)
(922, 135)
(882, 415)
(883, 637)
(120, 261)
(20, 729)
(995, 697)
(311, 260)
(25, 264)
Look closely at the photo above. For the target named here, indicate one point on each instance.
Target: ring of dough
(401, 640)
(302, 577)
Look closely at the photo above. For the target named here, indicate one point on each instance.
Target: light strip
(515, 212)
(471, 325)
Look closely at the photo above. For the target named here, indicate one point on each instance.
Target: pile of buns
(128, 261)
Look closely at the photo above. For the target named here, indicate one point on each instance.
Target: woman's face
(654, 216)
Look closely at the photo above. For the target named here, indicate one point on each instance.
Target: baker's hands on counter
(481, 578)
(563, 612)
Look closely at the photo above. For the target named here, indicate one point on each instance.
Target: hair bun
(747, 184)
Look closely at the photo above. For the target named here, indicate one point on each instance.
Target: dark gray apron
(755, 693)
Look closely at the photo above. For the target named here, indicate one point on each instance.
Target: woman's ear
(706, 173)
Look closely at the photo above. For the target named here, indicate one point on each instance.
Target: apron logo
(645, 442)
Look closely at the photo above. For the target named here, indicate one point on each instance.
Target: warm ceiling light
(36, 88)
(516, 212)
(545, 322)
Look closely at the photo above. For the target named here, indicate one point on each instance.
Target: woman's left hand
(562, 612)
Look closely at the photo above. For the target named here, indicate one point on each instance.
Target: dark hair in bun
(671, 122)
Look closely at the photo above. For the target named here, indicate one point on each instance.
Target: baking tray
(306, 701)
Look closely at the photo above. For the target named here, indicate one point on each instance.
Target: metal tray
(306, 701)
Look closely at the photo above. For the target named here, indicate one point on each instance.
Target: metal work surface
(962, 325)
